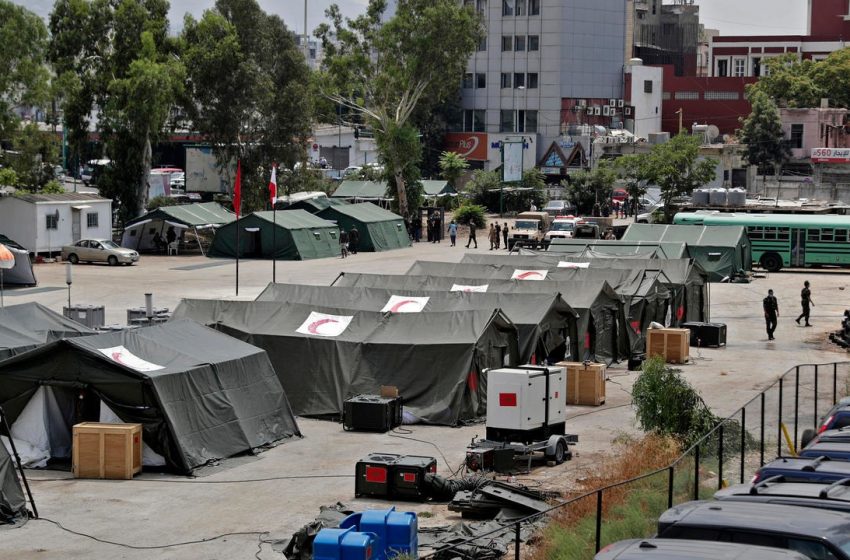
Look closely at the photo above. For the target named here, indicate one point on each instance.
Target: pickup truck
(529, 229)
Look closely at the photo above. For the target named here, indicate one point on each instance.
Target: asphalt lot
(148, 511)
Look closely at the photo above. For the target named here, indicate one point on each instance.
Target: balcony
(641, 5)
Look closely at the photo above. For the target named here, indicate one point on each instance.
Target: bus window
(813, 235)
(769, 233)
(784, 234)
(826, 235)
(755, 233)
(841, 236)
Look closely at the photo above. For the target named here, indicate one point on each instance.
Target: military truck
(529, 229)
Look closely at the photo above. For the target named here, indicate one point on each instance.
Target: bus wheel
(771, 262)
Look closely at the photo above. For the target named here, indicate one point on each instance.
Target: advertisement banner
(512, 160)
(830, 155)
(471, 145)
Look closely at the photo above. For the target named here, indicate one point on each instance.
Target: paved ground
(150, 511)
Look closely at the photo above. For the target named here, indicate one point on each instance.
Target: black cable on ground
(395, 434)
(258, 534)
(597, 410)
(199, 481)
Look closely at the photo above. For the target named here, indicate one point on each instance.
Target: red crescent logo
(397, 307)
(529, 274)
(313, 328)
(117, 357)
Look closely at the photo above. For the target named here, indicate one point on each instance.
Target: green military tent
(200, 395)
(293, 235)
(13, 505)
(379, 229)
(139, 233)
(724, 252)
(619, 248)
(28, 325)
(22, 273)
(433, 188)
(315, 205)
(361, 190)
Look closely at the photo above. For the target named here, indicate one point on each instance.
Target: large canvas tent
(13, 505)
(294, 235)
(324, 355)
(28, 325)
(546, 324)
(433, 188)
(316, 204)
(601, 319)
(199, 395)
(22, 273)
(139, 233)
(379, 229)
(723, 252)
(361, 190)
(620, 248)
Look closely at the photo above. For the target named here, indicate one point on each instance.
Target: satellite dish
(713, 133)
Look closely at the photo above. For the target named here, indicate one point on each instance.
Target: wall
(646, 106)
(360, 150)
(53, 240)
(17, 221)
(826, 18)
(814, 134)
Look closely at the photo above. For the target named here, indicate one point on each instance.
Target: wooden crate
(585, 383)
(671, 344)
(107, 450)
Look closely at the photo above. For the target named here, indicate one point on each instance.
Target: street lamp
(68, 280)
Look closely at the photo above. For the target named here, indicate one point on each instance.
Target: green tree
(36, 154)
(115, 57)
(482, 183)
(247, 92)
(24, 77)
(792, 82)
(535, 180)
(385, 70)
(585, 189)
(631, 169)
(677, 169)
(471, 213)
(453, 166)
(8, 177)
(763, 136)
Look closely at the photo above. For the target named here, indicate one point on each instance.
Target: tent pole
(237, 254)
(274, 242)
(2, 304)
(198, 237)
(18, 461)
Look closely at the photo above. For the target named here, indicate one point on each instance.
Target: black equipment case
(371, 413)
(711, 335)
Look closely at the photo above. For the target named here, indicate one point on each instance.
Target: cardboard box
(671, 344)
(111, 451)
(585, 383)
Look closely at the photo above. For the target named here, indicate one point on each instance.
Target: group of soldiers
(771, 309)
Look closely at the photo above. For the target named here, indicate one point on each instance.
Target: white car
(655, 214)
(562, 228)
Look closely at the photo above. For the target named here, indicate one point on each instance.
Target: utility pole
(306, 36)
(681, 113)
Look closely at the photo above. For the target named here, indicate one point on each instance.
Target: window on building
(479, 123)
(467, 80)
(721, 96)
(520, 121)
(480, 80)
(91, 219)
(740, 67)
(654, 6)
(507, 43)
(519, 80)
(482, 44)
(665, 96)
(722, 68)
(531, 81)
(797, 136)
(519, 43)
(757, 67)
(533, 42)
(506, 120)
(534, 7)
(520, 7)
(52, 221)
(531, 121)
(686, 96)
(647, 86)
(506, 80)
(507, 7)
(482, 6)
(468, 3)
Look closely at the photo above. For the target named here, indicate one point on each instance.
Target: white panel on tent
(150, 458)
(43, 429)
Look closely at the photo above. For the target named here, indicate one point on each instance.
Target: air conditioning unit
(589, 110)
(627, 111)
(613, 112)
(612, 102)
(582, 103)
(620, 103)
(597, 110)
(606, 110)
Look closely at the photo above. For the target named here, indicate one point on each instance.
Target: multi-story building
(666, 34)
(313, 52)
(538, 57)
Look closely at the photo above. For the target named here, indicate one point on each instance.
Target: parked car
(672, 549)
(832, 449)
(841, 435)
(817, 534)
(620, 195)
(555, 207)
(99, 250)
(836, 418)
(562, 228)
(529, 228)
(775, 490)
(653, 215)
(793, 469)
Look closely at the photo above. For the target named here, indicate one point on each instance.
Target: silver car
(98, 250)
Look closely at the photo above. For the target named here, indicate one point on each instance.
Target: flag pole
(237, 206)
(274, 243)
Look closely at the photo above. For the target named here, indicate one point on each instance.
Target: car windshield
(526, 224)
(110, 245)
(563, 226)
(556, 205)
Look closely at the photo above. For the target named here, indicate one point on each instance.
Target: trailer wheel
(560, 452)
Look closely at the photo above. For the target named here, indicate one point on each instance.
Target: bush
(52, 187)
(471, 213)
(159, 201)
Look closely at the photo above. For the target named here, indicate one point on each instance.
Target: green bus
(785, 239)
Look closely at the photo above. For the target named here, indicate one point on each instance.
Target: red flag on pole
(237, 189)
(273, 185)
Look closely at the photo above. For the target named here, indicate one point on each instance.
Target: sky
(732, 17)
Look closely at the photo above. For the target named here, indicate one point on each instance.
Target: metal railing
(729, 453)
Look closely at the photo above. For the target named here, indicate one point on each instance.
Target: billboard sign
(471, 145)
(512, 161)
(830, 155)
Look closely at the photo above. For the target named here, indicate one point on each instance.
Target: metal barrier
(728, 454)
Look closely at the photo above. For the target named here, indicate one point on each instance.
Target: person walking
(343, 243)
(807, 303)
(492, 237)
(498, 234)
(472, 235)
(505, 235)
(353, 239)
(771, 312)
(453, 233)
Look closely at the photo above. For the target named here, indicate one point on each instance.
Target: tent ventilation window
(317, 235)
(333, 234)
(714, 256)
(398, 226)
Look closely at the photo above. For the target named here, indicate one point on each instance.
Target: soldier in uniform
(806, 302)
(771, 312)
